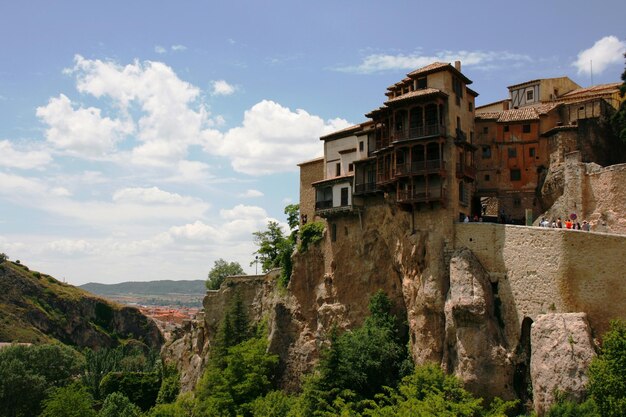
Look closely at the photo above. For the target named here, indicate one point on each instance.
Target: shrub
(3, 257)
(141, 388)
(310, 234)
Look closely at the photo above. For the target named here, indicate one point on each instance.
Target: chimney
(457, 65)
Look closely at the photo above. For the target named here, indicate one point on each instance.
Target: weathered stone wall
(604, 198)
(542, 270)
(310, 172)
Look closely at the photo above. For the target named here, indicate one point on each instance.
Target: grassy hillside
(37, 308)
(165, 287)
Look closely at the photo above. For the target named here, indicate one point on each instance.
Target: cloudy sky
(143, 140)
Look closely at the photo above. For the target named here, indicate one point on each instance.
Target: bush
(3, 257)
(141, 388)
(310, 234)
(118, 405)
(70, 401)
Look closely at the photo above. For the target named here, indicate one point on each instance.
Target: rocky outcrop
(188, 351)
(475, 347)
(37, 308)
(562, 349)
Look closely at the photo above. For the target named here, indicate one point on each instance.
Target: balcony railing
(420, 167)
(368, 187)
(419, 132)
(323, 205)
(421, 195)
(382, 142)
(384, 177)
(464, 170)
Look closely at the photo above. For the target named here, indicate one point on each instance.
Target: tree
(70, 401)
(607, 373)
(3, 257)
(118, 405)
(293, 216)
(271, 243)
(619, 119)
(222, 269)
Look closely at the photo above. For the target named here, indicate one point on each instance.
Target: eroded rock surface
(562, 349)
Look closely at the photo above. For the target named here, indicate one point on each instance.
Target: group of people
(567, 224)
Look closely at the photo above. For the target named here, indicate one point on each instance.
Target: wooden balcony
(382, 143)
(419, 132)
(384, 177)
(421, 195)
(465, 171)
(421, 168)
(324, 204)
(326, 209)
(365, 188)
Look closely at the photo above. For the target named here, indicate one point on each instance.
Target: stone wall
(310, 172)
(539, 270)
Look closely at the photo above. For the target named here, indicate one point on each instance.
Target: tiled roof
(429, 68)
(342, 133)
(489, 115)
(414, 94)
(311, 161)
(594, 90)
(518, 115)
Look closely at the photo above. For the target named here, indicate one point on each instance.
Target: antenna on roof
(591, 70)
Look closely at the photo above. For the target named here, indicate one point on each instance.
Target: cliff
(468, 293)
(36, 308)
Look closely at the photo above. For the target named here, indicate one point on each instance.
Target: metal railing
(367, 187)
(324, 204)
(419, 132)
(421, 195)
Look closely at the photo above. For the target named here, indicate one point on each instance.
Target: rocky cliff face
(447, 299)
(37, 308)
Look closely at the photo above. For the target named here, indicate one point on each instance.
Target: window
(485, 130)
(486, 152)
(531, 152)
(516, 175)
(338, 169)
(526, 128)
(506, 128)
(517, 202)
(350, 167)
(487, 177)
(361, 146)
(461, 192)
(512, 152)
(333, 232)
(530, 94)
(421, 83)
(470, 106)
(344, 196)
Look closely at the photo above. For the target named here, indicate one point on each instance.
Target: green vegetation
(310, 234)
(118, 405)
(274, 248)
(619, 118)
(70, 401)
(222, 269)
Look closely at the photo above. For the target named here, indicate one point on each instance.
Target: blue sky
(143, 140)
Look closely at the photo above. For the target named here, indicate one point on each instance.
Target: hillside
(37, 308)
(168, 292)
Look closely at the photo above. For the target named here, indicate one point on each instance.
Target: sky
(143, 140)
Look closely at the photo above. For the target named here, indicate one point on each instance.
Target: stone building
(416, 150)
(520, 138)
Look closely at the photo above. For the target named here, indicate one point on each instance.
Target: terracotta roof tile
(596, 89)
(518, 115)
(414, 94)
(489, 115)
(428, 68)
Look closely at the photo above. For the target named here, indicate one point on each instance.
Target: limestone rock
(475, 347)
(562, 350)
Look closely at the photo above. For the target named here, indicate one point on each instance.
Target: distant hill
(152, 293)
(36, 308)
(165, 287)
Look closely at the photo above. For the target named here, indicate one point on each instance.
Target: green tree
(273, 404)
(142, 388)
(170, 385)
(222, 269)
(607, 373)
(34, 369)
(118, 405)
(71, 401)
(270, 243)
(3, 257)
(619, 118)
(97, 365)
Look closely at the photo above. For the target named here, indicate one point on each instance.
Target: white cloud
(12, 158)
(178, 48)
(191, 172)
(608, 50)
(386, 62)
(222, 88)
(274, 139)
(195, 231)
(149, 196)
(60, 192)
(173, 117)
(251, 194)
(82, 131)
(70, 247)
(159, 49)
